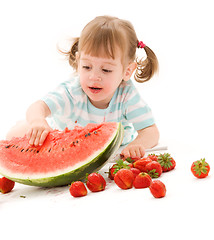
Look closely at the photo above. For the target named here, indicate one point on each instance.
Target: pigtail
(146, 68)
(71, 54)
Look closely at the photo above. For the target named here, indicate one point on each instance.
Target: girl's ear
(129, 71)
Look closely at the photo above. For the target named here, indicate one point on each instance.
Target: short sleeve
(59, 101)
(136, 110)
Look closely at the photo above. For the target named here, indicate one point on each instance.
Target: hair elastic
(140, 44)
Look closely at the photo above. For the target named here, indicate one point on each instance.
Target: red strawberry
(141, 164)
(153, 157)
(117, 166)
(158, 189)
(135, 171)
(200, 168)
(6, 185)
(112, 171)
(166, 161)
(95, 182)
(130, 165)
(154, 169)
(78, 189)
(124, 178)
(142, 180)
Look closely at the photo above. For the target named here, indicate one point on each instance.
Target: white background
(181, 97)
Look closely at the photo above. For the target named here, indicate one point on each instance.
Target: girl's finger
(142, 152)
(29, 133)
(138, 152)
(125, 153)
(37, 138)
(43, 136)
(132, 153)
(33, 137)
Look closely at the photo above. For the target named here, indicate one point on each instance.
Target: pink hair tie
(140, 44)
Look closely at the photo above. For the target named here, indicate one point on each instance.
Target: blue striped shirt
(70, 106)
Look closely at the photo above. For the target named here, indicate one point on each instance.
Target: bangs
(101, 40)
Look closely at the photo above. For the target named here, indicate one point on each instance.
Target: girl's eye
(107, 70)
(86, 67)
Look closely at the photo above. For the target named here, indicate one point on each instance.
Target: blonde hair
(108, 33)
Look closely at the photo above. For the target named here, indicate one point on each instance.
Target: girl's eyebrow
(110, 63)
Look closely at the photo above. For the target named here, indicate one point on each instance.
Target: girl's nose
(94, 76)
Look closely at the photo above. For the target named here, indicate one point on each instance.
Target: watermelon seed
(77, 141)
(49, 150)
(13, 146)
(27, 150)
(7, 146)
(62, 149)
(37, 151)
(17, 146)
(31, 150)
(89, 134)
(22, 150)
(22, 196)
(95, 132)
(86, 135)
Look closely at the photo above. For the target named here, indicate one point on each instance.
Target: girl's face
(100, 77)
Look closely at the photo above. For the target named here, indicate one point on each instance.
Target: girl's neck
(99, 105)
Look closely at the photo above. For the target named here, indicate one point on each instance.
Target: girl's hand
(38, 131)
(133, 150)
(147, 138)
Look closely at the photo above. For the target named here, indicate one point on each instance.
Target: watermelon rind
(92, 165)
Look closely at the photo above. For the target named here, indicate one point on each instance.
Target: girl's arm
(147, 138)
(39, 128)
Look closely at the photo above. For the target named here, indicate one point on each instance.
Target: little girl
(104, 58)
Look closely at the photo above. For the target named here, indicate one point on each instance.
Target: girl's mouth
(95, 89)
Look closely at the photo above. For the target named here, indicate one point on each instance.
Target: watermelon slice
(64, 157)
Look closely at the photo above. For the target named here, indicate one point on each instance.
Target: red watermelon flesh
(65, 155)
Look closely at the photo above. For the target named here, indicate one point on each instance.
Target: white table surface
(186, 210)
